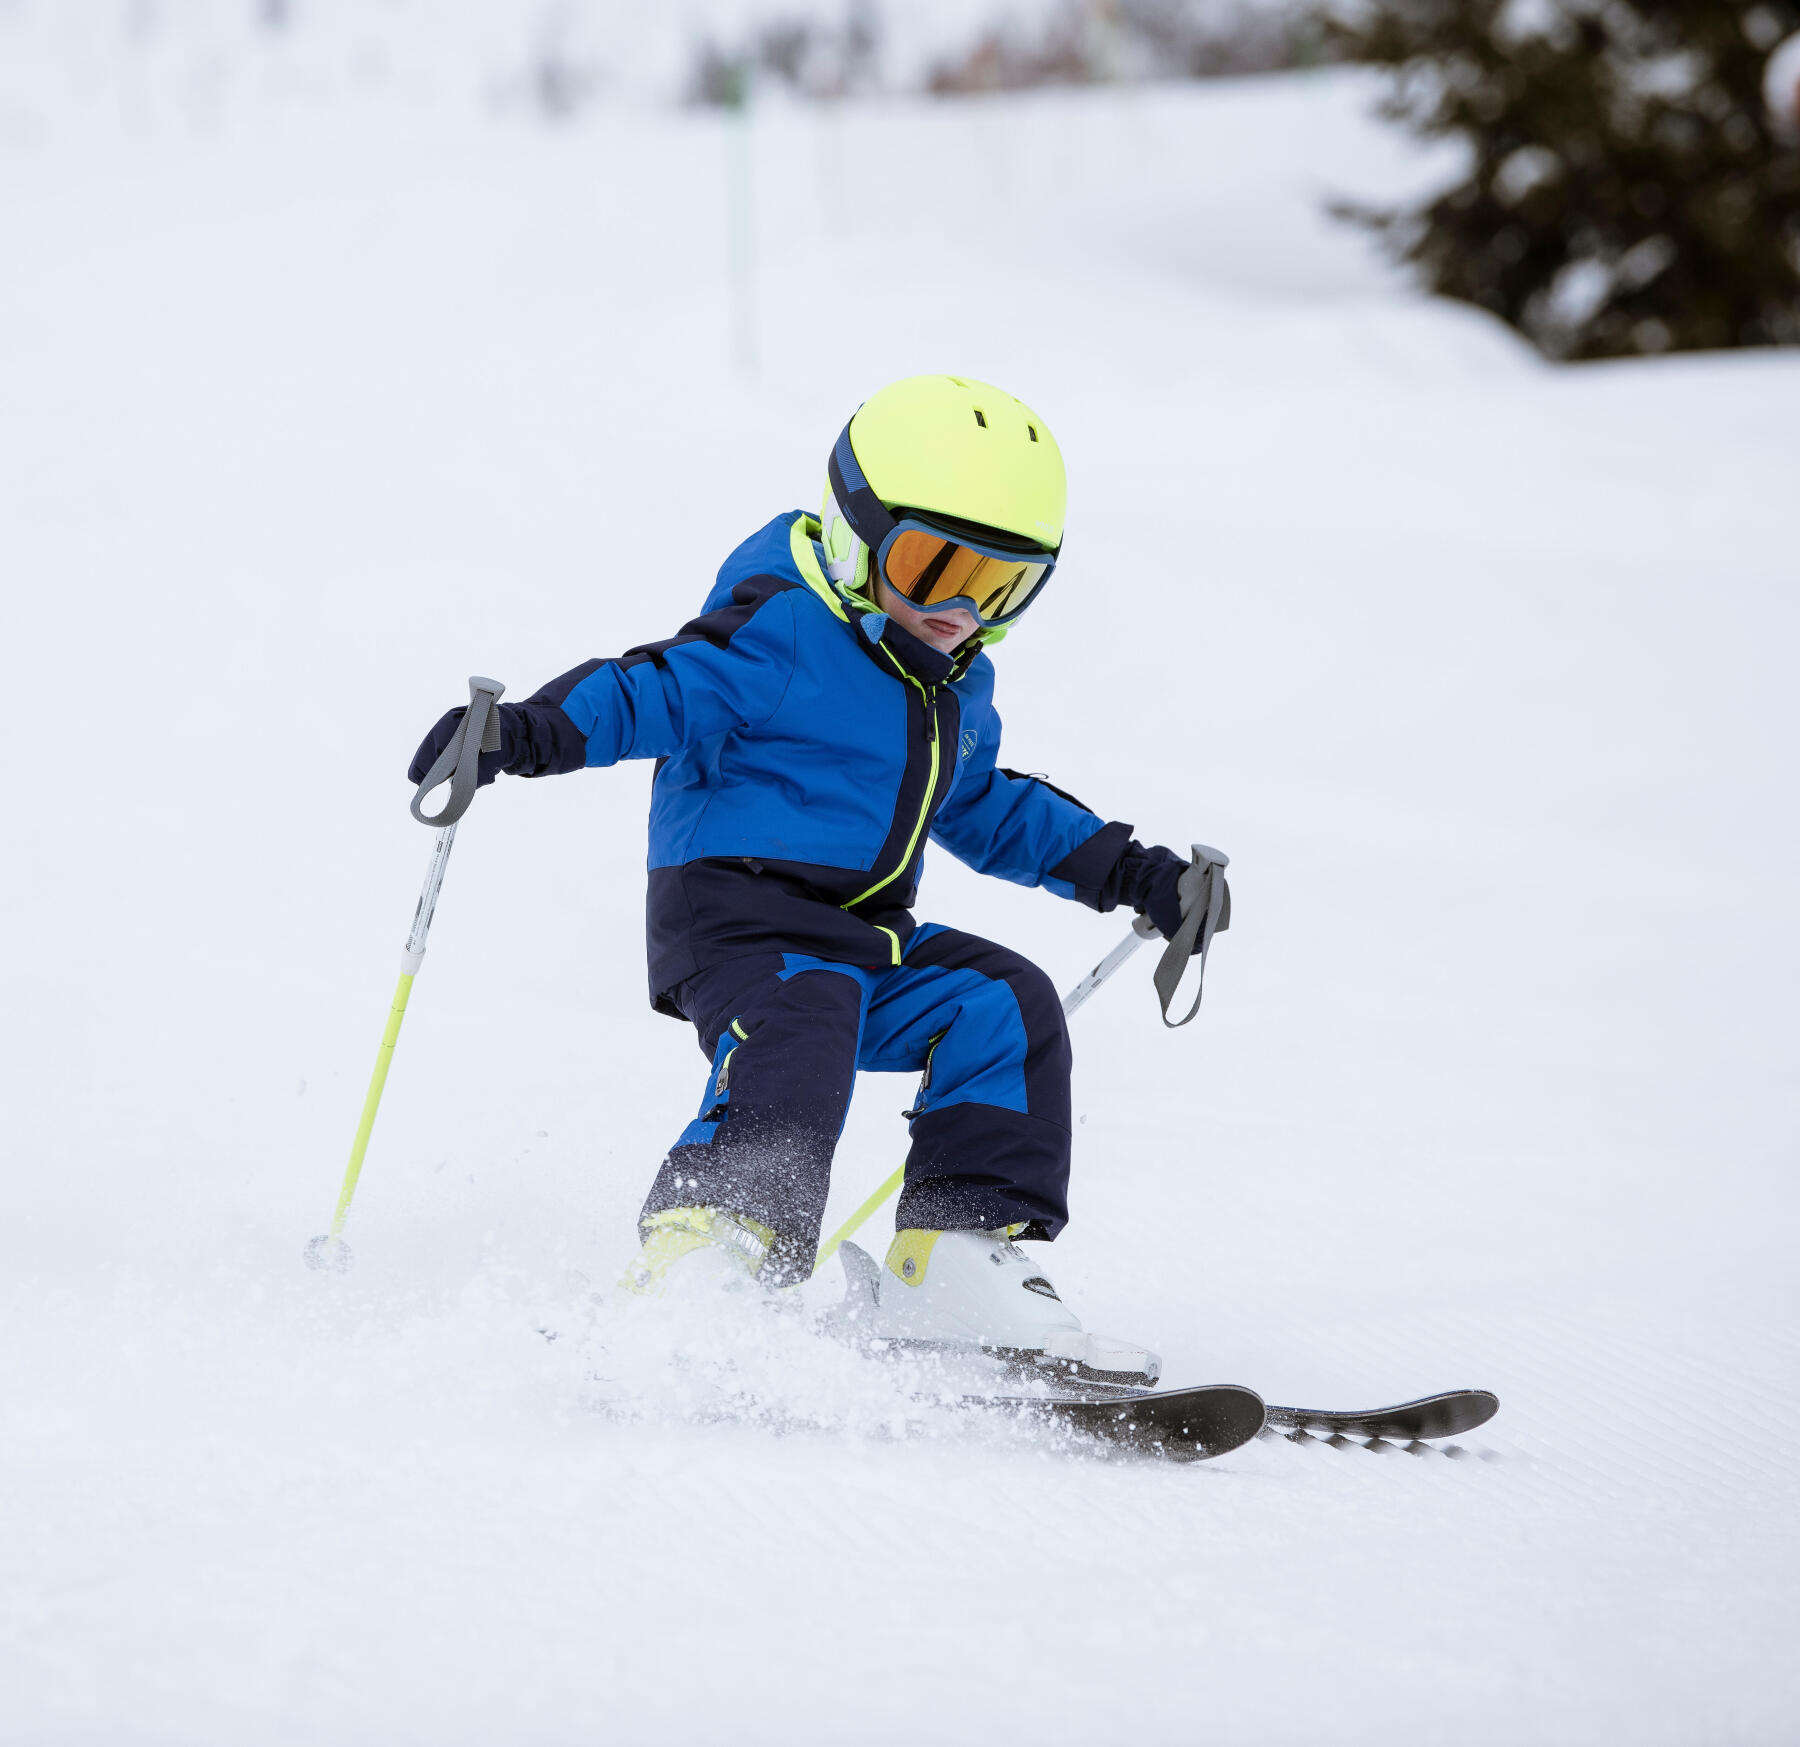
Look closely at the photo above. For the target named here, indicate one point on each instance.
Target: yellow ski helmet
(952, 490)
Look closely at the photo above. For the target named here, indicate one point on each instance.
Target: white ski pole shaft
(1141, 930)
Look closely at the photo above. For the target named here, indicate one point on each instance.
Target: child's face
(943, 630)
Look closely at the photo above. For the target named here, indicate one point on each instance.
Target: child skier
(829, 710)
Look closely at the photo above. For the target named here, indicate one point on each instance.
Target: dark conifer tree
(1625, 190)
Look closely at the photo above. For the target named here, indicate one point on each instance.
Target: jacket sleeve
(728, 668)
(1024, 829)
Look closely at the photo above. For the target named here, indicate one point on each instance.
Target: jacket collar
(878, 633)
(883, 641)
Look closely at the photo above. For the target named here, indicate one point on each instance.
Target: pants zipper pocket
(918, 1108)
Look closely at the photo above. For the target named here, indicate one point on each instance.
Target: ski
(1191, 1424)
(1184, 1425)
(1445, 1415)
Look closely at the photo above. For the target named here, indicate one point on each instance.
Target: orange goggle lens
(932, 571)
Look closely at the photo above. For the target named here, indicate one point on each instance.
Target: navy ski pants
(786, 1034)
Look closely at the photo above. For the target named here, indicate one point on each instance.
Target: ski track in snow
(1482, 676)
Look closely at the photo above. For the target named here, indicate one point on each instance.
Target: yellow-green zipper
(723, 1078)
(931, 1048)
(929, 694)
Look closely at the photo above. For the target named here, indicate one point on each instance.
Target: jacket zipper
(930, 695)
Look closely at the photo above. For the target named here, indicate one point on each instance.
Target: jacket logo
(968, 742)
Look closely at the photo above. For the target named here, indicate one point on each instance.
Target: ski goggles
(935, 563)
(934, 569)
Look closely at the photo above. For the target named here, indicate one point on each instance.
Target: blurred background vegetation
(1627, 172)
(1632, 179)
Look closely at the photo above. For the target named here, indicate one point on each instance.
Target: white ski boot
(977, 1292)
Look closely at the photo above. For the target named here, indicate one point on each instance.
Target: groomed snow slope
(1482, 672)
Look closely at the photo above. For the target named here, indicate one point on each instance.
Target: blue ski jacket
(807, 750)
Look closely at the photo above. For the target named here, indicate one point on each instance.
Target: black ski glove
(492, 763)
(1148, 885)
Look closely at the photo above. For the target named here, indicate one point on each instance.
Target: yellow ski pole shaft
(1141, 930)
(860, 1217)
(459, 764)
(372, 1103)
(330, 1251)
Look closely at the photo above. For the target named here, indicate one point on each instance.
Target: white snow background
(1481, 670)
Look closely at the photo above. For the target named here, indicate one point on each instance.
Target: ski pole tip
(326, 1254)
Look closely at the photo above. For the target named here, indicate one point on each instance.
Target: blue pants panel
(785, 1036)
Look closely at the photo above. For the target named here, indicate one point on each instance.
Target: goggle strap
(863, 510)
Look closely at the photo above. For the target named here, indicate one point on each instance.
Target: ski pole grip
(459, 763)
(1202, 891)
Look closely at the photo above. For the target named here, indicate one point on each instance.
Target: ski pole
(1141, 930)
(459, 764)
(1205, 909)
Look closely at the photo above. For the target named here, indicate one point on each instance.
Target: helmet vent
(1033, 430)
(981, 418)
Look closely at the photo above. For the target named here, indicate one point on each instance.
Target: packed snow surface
(1481, 670)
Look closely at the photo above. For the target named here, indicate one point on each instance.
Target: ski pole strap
(1202, 890)
(460, 762)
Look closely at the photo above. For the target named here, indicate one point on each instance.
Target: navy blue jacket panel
(807, 751)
